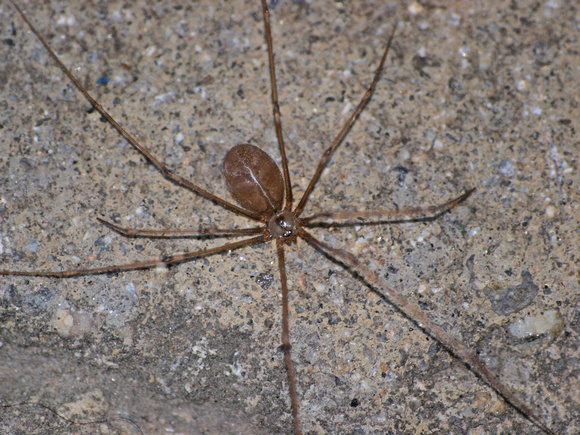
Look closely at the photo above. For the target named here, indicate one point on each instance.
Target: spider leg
(286, 339)
(150, 264)
(276, 108)
(414, 313)
(132, 232)
(344, 130)
(165, 171)
(412, 213)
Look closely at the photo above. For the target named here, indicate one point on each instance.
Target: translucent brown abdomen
(254, 179)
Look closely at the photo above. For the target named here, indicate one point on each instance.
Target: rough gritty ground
(475, 95)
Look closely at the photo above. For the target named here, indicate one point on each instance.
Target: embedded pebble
(549, 323)
(71, 323)
(88, 404)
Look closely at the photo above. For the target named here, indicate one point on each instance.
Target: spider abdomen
(254, 179)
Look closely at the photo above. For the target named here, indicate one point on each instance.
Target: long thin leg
(172, 259)
(286, 340)
(412, 212)
(276, 108)
(131, 232)
(345, 129)
(415, 314)
(165, 171)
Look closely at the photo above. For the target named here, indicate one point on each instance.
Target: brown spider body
(254, 180)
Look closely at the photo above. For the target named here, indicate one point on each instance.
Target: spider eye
(283, 225)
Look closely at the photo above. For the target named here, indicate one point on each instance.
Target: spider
(264, 194)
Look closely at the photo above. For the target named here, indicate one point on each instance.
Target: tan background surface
(475, 95)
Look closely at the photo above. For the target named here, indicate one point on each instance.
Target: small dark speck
(333, 319)
(354, 403)
(402, 174)
(41, 121)
(101, 243)
(454, 84)
(509, 272)
(265, 280)
(103, 80)
(9, 42)
(434, 349)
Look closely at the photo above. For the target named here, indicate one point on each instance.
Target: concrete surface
(476, 94)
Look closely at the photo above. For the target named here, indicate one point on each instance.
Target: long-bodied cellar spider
(247, 91)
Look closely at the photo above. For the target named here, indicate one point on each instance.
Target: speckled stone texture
(475, 94)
